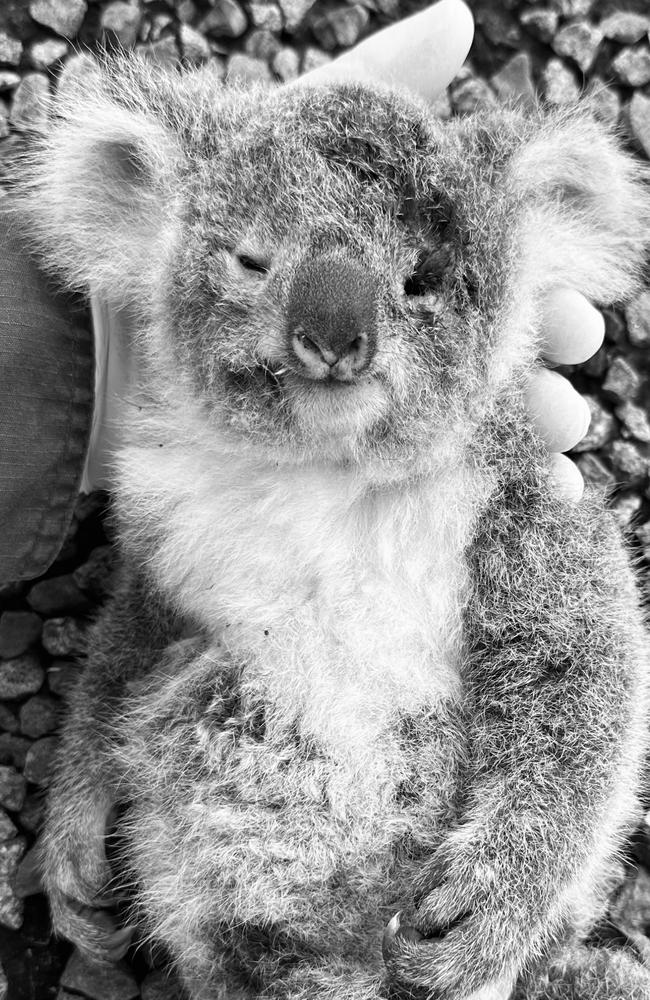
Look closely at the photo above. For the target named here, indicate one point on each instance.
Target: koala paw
(95, 932)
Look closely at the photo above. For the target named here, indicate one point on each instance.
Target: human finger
(572, 329)
(559, 414)
(422, 52)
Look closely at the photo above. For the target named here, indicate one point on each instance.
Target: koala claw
(396, 929)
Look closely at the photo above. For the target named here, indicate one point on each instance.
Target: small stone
(559, 83)
(158, 26)
(632, 66)
(594, 471)
(470, 95)
(11, 907)
(187, 11)
(18, 631)
(31, 103)
(20, 676)
(499, 26)
(163, 52)
(340, 27)
(99, 982)
(62, 16)
(627, 457)
(625, 26)
(286, 64)
(121, 21)
(601, 427)
(78, 71)
(638, 117)
(38, 715)
(13, 750)
(294, 12)
(7, 829)
(578, 41)
(265, 15)
(28, 880)
(40, 761)
(226, 20)
(8, 721)
(246, 69)
(57, 595)
(573, 8)
(8, 81)
(157, 985)
(44, 54)
(314, 58)
(194, 48)
(514, 81)
(31, 815)
(94, 576)
(63, 637)
(12, 788)
(605, 102)
(637, 314)
(623, 380)
(626, 508)
(11, 49)
(635, 421)
(62, 676)
(262, 45)
(541, 21)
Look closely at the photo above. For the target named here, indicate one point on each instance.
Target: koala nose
(332, 317)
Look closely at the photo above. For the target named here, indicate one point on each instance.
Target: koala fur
(361, 659)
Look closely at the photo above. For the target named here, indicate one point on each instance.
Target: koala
(366, 714)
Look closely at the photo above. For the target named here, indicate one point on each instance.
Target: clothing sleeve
(46, 404)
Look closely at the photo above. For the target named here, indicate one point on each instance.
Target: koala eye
(252, 263)
(431, 268)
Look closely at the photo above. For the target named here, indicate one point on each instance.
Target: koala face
(323, 291)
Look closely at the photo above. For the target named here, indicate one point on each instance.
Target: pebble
(187, 11)
(40, 761)
(11, 907)
(340, 27)
(7, 829)
(20, 676)
(8, 721)
(637, 314)
(194, 47)
(157, 985)
(226, 20)
(625, 508)
(601, 427)
(498, 26)
(11, 49)
(62, 16)
(45, 54)
(158, 24)
(605, 103)
(31, 815)
(163, 52)
(18, 631)
(247, 69)
(13, 749)
(78, 71)
(294, 11)
(57, 595)
(632, 66)
(541, 21)
(574, 8)
(625, 26)
(638, 118)
(63, 637)
(61, 676)
(262, 45)
(12, 788)
(626, 456)
(31, 103)
(472, 94)
(28, 880)
(286, 64)
(314, 58)
(38, 715)
(121, 21)
(559, 83)
(623, 380)
(594, 471)
(635, 421)
(98, 982)
(514, 81)
(8, 81)
(578, 41)
(265, 15)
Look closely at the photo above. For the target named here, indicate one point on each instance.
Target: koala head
(330, 271)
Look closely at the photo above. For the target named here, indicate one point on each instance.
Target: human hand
(423, 53)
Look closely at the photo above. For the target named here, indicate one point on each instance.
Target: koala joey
(365, 678)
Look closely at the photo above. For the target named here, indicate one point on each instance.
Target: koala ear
(98, 188)
(588, 219)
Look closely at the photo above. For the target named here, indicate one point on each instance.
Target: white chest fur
(343, 601)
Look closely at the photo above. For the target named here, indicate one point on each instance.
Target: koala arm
(556, 715)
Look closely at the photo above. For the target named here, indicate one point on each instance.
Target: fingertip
(565, 478)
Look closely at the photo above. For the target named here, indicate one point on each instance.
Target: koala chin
(366, 714)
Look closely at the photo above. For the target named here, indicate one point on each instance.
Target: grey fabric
(46, 400)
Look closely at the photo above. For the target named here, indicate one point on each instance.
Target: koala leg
(583, 973)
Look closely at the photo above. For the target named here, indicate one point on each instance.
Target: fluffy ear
(588, 223)
(98, 186)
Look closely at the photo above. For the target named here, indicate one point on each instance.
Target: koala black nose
(332, 317)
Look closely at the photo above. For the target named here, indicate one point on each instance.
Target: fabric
(46, 404)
